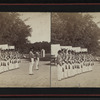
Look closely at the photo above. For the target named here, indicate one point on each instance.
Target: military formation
(71, 63)
(9, 59)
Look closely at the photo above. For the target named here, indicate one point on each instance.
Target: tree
(37, 46)
(75, 29)
(13, 30)
(41, 45)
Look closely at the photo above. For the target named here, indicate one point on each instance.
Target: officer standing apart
(31, 55)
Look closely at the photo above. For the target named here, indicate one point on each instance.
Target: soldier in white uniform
(69, 63)
(66, 64)
(31, 55)
(73, 63)
(1, 62)
(37, 59)
(59, 65)
(11, 60)
(63, 55)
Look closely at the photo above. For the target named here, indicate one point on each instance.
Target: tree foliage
(37, 46)
(13, 30)
(75, 29)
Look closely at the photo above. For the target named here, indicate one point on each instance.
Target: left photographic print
(25, 49)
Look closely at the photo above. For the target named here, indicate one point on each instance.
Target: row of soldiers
(71, 63)
(9, 59)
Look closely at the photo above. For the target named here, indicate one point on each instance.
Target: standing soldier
(37, 59)
(59, 65)
(66, 64)
(1, 62)
(81, 61)
(11, 60)
(17, 53)
(63, 55)
(31, 55)
(91, 62)
(73, 63)
(16, 58)
(5, 61)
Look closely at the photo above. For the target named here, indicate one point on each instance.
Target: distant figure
(37, 59)
(31, 55)
(42, 53)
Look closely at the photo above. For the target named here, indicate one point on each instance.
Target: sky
(40, 24)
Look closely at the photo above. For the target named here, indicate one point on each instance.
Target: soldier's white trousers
(87, 66)
(11, 65)
(59, 72)
(73, 70)
(84, 67)
(65, 71)
(69, 70)
(1, 67)
(17, 64)
(91, 64)
(5, 67)
(76, 71)
(79, 68)
(31, 66)
(37, 63)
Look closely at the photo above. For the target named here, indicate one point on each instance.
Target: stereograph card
(49, 49)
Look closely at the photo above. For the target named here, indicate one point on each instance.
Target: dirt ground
(21, 78)
(88, 79)
(41, 78)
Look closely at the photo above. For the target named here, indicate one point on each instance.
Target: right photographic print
(75, 49)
